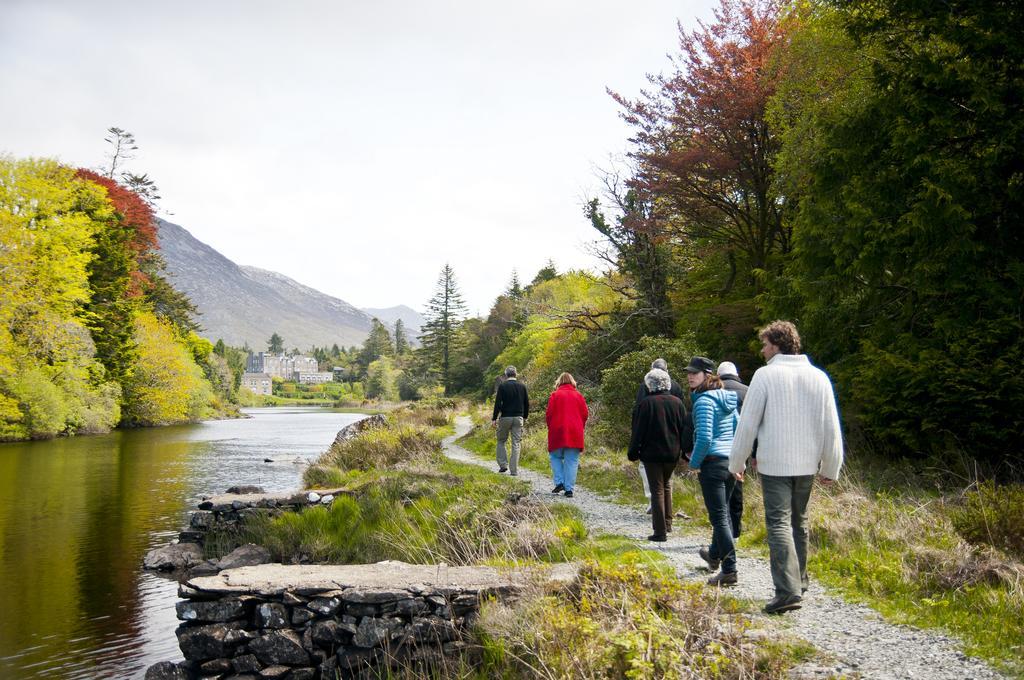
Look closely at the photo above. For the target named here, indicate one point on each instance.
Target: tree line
(92, 335)
(853, 166)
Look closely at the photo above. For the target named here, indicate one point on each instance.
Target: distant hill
(246, 305)
(411, 319)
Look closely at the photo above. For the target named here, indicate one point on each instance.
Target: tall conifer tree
(444, 314)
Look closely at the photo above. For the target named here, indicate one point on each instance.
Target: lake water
(77, 516)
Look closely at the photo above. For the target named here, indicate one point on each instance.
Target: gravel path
(855, 640)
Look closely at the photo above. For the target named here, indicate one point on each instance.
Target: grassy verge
(885, 536)
(897, 550)
(626, 616)
(628, 621)
(890, 541)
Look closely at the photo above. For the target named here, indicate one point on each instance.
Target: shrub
(384, 447)
(993, 515)
(619, 384)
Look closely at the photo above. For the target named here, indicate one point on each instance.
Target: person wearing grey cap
(641, 394)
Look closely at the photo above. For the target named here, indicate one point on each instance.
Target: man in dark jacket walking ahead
(730, 376)
(511, 409)
(657, 439)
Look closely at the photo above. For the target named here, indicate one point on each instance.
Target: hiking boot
(705, 555)
(657, 538)
(782, 603)
(558, 489)
(723, 579)
(568, 494)
(502, 469)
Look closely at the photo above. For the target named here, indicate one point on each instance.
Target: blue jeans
(716, 483)
(563, 467)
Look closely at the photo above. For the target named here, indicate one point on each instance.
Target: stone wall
(328, 621)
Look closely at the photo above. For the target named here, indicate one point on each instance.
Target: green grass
(891, 543)
(628, 620)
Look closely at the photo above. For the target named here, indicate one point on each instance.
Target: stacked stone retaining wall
(322, 621)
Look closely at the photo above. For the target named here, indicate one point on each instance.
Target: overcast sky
(353, 146)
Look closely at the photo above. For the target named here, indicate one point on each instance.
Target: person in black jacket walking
(657, 439)
(730, 376)
(511, 409)
(641, 394)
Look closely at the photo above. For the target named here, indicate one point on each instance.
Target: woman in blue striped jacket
(715, 416)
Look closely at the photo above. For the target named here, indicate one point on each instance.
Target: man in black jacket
(511, 409)
(729, 374)
(659, 431)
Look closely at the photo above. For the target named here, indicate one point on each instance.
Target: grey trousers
(510, 425)
(785, 516)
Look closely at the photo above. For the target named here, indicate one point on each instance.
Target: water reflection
(77, 516)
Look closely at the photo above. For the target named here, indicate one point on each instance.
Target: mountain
(246, 305)
(411, 319)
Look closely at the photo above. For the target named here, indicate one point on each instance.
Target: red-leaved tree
(134, 214)
(703, 144)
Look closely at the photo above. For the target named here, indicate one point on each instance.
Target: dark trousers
(659, 477)
(716, 484)
(736, 508)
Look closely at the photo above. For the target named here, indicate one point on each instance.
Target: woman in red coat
(566, 415)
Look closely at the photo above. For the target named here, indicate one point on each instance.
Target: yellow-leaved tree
(50, 382)
(166, 385)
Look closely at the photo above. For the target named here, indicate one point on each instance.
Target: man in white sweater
(790, 410)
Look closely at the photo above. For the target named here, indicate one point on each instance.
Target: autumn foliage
(702, 139)
(133, 213)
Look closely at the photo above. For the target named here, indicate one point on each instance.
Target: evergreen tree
(167, 302)
(218, 348)
(378, 344)
(275, 345)
(515, 289)
(401, 342)
(908, 271)
(546, 273)
(444, 315)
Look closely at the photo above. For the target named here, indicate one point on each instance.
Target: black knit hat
(700, 365)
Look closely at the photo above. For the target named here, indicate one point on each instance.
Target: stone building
(313, 377)
(280, 365)
(258, 383)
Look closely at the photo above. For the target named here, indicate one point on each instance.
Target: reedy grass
(885, 536)
(627, 621)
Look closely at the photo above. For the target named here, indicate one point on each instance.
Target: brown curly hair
(783, 335)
